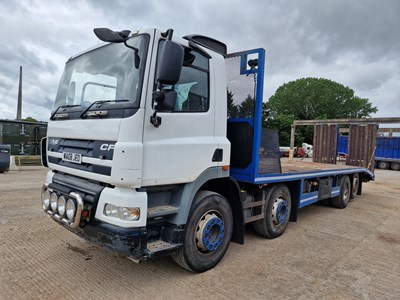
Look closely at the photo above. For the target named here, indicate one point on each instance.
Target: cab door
(183, 146)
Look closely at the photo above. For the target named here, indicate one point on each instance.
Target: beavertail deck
(301, 166)
(302, 169)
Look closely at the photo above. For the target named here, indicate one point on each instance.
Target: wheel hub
(280, 211)
(210, 232)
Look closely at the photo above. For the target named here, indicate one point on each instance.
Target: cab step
(161, 247)
(162, 210)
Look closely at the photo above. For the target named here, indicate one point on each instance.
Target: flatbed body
(307, 169)
(306, 166)
(300, 169)
(300, 172)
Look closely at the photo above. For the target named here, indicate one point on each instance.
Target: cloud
(356, 43)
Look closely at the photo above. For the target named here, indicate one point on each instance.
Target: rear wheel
(395, 166)
(208, 233)
(383, 165)
(277, 212)
(355, 185)
(343, 198)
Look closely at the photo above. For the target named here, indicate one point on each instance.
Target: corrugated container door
(362, 141)
(325, 143)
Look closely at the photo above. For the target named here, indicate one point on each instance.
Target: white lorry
(155, 147)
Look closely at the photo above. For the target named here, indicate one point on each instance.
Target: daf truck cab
(138, 126)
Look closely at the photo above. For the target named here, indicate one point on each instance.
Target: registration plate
(72, 157)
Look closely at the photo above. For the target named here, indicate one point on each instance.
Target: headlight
(71, 209)
(123, 213)
(61, 206)
(53, 201)
(110, 210)
(129, 213)
(46, 200)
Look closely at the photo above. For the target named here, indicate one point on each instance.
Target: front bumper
(87, 196)
(130, 242)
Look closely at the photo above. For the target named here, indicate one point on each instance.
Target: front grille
(102, 150)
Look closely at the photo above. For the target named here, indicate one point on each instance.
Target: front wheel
(208, 233)
(277, 212)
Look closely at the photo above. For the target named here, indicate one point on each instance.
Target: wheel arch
(294, 190)
(229, 188)
(213, 180)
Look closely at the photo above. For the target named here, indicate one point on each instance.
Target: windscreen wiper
(99, 102)
(53, 115)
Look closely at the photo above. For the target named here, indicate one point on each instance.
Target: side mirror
(169, 68)
(170, 64)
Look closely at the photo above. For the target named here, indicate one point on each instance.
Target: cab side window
(193, 86)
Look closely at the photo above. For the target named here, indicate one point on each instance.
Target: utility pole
(19, 108)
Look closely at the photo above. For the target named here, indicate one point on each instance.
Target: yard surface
(353, 253)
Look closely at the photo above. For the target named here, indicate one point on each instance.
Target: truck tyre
(383, 165)
(354, 186)
(207, 234)
(343, 198)
(277, 212)
(395, 166)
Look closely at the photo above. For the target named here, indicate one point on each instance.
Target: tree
(284, 124)
(233, 110)
(243, 110)
(30, 119)
(246, 108)
(313, 99)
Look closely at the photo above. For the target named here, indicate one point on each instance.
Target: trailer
(387, 152)
(155, 147)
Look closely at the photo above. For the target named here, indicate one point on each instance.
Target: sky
(355, 43)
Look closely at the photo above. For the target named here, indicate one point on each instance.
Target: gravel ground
(328, 254)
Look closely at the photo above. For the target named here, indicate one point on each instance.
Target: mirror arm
(133, 48)
(168, 34)
(157, 96)
(155, 120)
(137, 58)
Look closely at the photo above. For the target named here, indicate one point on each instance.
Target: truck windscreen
(106, 73)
